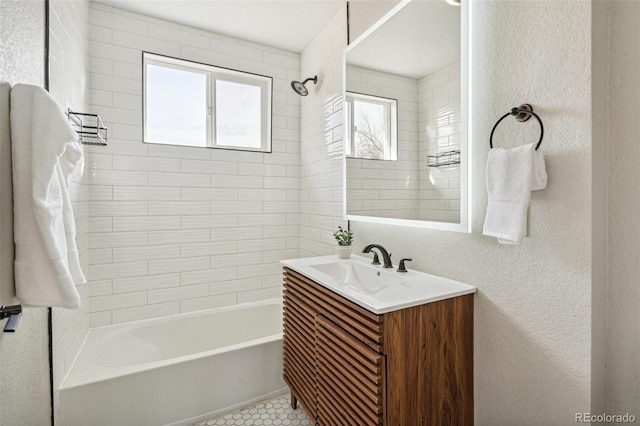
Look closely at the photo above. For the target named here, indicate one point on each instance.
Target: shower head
(299, 87)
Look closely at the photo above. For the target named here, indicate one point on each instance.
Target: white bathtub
(175, 370)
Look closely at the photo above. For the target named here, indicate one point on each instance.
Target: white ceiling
(289, 24)
(423, 37)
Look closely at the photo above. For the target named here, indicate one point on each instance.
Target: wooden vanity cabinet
(347, 366)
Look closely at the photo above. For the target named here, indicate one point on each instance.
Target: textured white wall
(24, 355)
(623, 365)
(533, 306)
(177, 229)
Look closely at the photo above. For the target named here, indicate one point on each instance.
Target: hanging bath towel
(511, 176)
(45, 154)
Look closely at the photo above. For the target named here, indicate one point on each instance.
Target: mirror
(406, 118)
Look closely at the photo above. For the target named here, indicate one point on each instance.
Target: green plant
(343, 237)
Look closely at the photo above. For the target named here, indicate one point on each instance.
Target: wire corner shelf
(90, 129)
(447, 158)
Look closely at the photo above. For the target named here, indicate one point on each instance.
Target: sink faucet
(386, 256)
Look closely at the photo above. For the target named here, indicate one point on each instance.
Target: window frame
(214, 73)
(391, 149)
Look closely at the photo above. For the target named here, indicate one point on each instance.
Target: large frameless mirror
(406, 118)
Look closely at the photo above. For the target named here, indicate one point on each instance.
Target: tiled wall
(439, 132)
(387, 188)
(321, 133)
(177, 229)
(68, 68)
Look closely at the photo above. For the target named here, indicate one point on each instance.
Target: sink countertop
(392, 290)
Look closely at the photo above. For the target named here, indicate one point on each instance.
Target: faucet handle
(401, 267)
(376, 259)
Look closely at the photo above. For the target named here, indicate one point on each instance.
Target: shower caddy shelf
(447, 158)
(90, 129)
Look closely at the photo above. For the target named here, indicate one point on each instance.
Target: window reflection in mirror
(372, 125)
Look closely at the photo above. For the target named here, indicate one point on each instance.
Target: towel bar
(522, 114)
(13, 313)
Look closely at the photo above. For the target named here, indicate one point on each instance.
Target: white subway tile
(178, 237)
(143, 43)
(257, 295)
(212, 194)
(101, 224)
(178, 179)
(209, 249)
(178, 265)
(145, 193)
(208, 275)
(236, 234)
(117, 270)
(207, 303)
(178, 293)
(147, 282)
(272, 195)
(118, 239)
(181, 208)
(236, 260)
(115, 301)
(218, 181)
(100, 288)
(261, 245)
(119, 177)
(234, 286)
(118, 22)
(166, 33)
(145, 312)
(100, 256)
(146, 223)
(207, 222)
(211, 167)
(133, 254)
(262, 220)
(100, 319)
(151, 164)
(235, 207)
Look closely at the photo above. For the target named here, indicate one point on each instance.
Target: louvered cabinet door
(299, 346)
(350, 378)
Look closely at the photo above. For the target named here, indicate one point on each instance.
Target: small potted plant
(344, 238)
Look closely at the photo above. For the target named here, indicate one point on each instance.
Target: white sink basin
(375, 288)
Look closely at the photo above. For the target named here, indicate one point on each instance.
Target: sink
(375, 288)
(359, 277)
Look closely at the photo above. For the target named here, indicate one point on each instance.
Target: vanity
(364, 345)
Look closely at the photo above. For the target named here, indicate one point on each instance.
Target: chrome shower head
(299, 87)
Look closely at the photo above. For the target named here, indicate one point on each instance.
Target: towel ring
(522, 114)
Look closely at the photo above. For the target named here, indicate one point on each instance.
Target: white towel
(45, 154)
(511, 176)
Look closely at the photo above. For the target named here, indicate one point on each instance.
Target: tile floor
(278, 411)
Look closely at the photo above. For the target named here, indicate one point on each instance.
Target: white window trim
(213, 73)
(391, 151)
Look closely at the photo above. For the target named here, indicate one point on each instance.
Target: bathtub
(175, 370)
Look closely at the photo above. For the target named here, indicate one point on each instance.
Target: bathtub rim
(71, 382)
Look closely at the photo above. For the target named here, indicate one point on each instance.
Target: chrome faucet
(386, 256)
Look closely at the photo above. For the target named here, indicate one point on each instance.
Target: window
(372, 121)
(191, 104)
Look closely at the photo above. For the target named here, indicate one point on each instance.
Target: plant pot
(344, 252)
